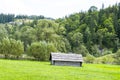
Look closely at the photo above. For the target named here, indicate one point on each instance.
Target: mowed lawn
(35, 70)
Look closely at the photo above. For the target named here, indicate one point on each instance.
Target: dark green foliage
(100, 28)
(81, 49)
(29, 17)
(6, 18)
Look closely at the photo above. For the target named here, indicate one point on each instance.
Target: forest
(94, 33)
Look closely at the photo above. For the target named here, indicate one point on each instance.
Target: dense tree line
(29, 17)
(5, 18)
(100, 29)
(93, 34)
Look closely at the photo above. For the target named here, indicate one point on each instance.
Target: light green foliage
(61, 30)
(5, 46)
(9, 28)
(11, 47)
(46, 30)
(107, 59)
(33, 70)
(108, 23)
(106, 52)
(50, 31)
(117, 57)
(41, 50)
(3, 32)
(50, 48)
(60, 45)
(28, 34)
(17, 47)
(89, 59)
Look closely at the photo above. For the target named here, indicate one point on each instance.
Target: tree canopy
(88, 33)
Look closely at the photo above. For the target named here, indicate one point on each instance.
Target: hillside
(94, 33)
(33, 70)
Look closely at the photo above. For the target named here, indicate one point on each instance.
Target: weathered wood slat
(66, 59)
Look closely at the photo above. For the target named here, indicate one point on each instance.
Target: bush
(117, 57)
(41, 50)
(89, 59)
(11, 47)
(107, 52)
(107, 59)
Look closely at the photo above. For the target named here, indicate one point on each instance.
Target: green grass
(34, 70)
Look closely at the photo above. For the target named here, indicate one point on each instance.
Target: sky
(51, 8)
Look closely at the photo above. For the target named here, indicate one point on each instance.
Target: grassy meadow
(35, 70)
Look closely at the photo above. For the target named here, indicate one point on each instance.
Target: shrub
(89, 59)
(41, 50)
(117, 57)
(107, 52)
(11, 47)
(107, 59)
